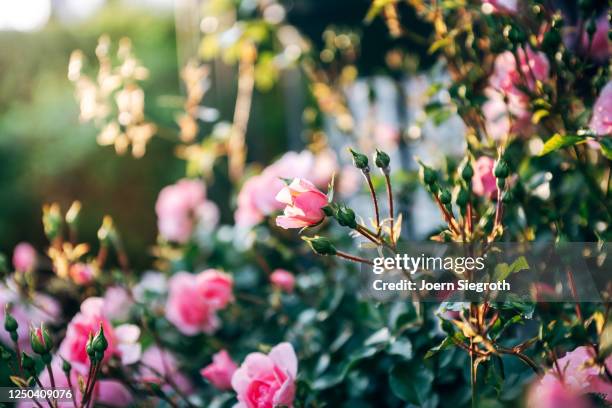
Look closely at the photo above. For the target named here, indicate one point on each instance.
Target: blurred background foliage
(46, 155)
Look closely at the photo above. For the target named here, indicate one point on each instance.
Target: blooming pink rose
(106, 391)
(220, 371)
(503, 6)
(177, 207)
(81, 273)
(157, 362)
(601, 122)
(283, 280)
(579, 375)
(266, 381)
(27, 312)
(483, 181)
(24, 257)
(215, 287)
(256, 198)
(304, 205)
(122, 340)
(506, 75)
(117, 303)
(187, 309)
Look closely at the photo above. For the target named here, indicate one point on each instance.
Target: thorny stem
(448, 217)
(41, 387)
(391, 211)
(69, 380)
(366, 174)
(523, 357)
(353, 258)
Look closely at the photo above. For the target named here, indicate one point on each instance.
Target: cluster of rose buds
(114, 101)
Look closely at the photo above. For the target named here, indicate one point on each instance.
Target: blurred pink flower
(304, 205)
(28, 312)
(157, 362)
(483, 181)
(579, 375)
(386, 136)
(503, 6)
(106, 391)
(350, 180)
(267, 381)
(122, 340)
(24, 257)
(81, 273)
(187, 309)
(600, 45)
(177, 207)
(601, 122)
(256, 198)
(283, 280)
(117, 303)
(220, 371)
(215, 287)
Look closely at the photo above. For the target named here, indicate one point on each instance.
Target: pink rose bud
(220, 371)
(215, 287)
(267, 380)
(304, 205)
(483, 181)
(282, 279)
(24, 257)
(601, 122)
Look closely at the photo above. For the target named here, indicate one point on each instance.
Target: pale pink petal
(283, 355)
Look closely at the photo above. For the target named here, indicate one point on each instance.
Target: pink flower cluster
(193, 300)
(122, 340)
(257, 198)
(304, 205)
(267, 381)
(579, 375)
(507, 108)
(180, 206)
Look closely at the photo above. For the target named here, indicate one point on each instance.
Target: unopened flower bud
(40, 340)
(462, 198)
(360, 160)
(100, 344)
(516, 35)
(66, 366)
(10, 324)
(382, 160)
(501, 169)
(551, 41)
(445, 197)
(467, 172)
(346, 217)
(507, 197)
(428, 175)
(27, 363)
(591, 27)
(89, 347)
(321, 245)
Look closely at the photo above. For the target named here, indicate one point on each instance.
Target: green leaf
(401, 347)
(410, 382)
(559, 142)
(503, 270)
(606, 146)
(380, 336)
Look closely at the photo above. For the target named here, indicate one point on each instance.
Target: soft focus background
(46, 155)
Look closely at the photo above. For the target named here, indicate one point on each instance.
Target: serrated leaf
(558, 141)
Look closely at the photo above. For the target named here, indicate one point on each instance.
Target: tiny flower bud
(467, 172)
(346, 217)
(516, 35)
(66, 367)
(462, 198)
(100, 344)
(27, 363)
(501, 169)
(89, 347)
(428, 175)
(360, 160)
(40, 340)
(321, 245)
(10, 324)
(445, 197)
(382, 160)
(551, 41)
(507, 197)
(591, 27)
